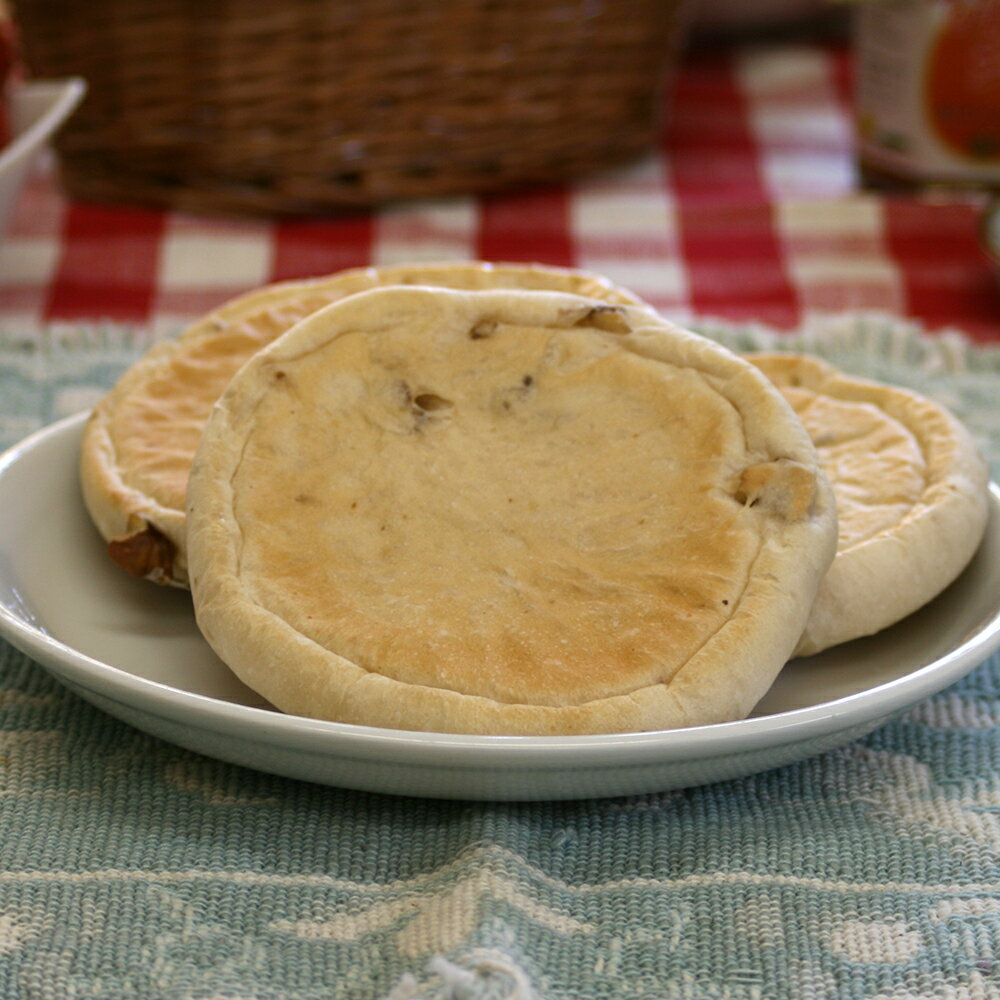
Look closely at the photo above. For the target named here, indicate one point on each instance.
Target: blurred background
(757, 161)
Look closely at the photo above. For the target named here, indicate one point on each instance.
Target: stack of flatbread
(515, 500)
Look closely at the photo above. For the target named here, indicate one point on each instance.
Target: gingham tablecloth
(130, 868)
(750, 211)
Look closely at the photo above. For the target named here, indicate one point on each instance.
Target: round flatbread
(139, 441)
(911, 490)
(504, 512)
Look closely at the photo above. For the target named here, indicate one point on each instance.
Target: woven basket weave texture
(311, 105)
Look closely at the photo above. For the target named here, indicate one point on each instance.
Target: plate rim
(79, 670)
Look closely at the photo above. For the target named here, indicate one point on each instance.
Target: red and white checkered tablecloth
(750, 210)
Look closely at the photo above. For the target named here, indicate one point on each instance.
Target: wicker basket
(305, 106)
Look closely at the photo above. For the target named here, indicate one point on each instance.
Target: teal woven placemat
(131, 868)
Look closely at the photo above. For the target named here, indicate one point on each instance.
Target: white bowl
(38, 108)
(989, 233)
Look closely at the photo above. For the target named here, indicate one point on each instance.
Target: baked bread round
(139, 442)
(911, 491)
(504, 512)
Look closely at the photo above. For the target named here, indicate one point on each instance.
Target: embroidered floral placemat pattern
(131, 868)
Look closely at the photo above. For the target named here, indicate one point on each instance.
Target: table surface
(132, 868)
(749, 211)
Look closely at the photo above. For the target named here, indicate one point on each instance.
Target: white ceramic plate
(38, 109)
(133, 649)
